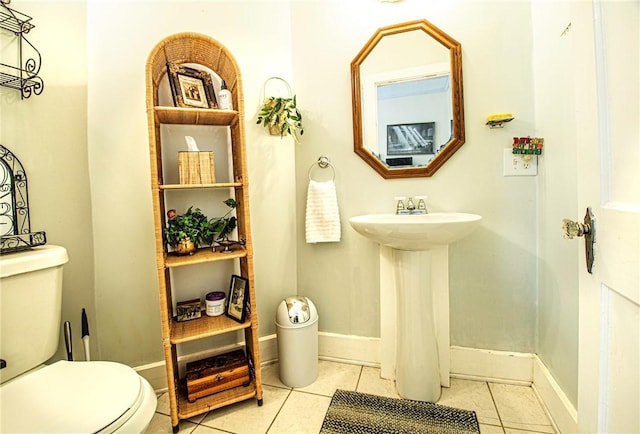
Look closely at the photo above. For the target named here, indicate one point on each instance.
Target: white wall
(48, 134)
(119, 43)
(493, 272)
(494, 283)
(557, 191)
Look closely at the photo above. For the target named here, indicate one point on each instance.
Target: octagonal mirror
(408, 111)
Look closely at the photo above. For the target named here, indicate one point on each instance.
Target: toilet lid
(68, 397)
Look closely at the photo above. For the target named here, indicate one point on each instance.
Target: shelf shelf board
(192, 186)
(205, 326)
(203, 255)
(194, 116)
(237, 394)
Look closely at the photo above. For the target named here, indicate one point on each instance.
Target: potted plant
(186, 232)
(281, 116)
(222, 226)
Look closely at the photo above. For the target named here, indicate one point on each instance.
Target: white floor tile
(247, 417)
(371, 382)
(332, 376)
(303, 413)
(271, 375)
(518, 431)
(519, 408)
(473, 396)
(202, 429)
(500, 408)
(163, 404)
(161, 424)
(491, 429)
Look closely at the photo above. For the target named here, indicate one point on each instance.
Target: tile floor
(500, 408)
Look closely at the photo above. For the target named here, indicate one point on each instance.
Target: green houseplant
(184, 233)
(222, 226)
(281, 116)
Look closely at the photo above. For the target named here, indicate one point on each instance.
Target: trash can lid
(297, 310)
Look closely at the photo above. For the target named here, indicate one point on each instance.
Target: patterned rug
(360, 413)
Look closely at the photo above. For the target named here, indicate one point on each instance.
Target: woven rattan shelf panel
(203, 255)
(188, 186)
(205, 326)
(194, 116)
(211, 402)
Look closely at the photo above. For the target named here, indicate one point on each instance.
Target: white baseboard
(351, 349)
(562, 412)
(491, 365)
(470, 363)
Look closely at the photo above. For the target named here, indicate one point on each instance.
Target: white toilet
(64, 397)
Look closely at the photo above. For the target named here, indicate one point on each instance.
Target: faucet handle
(400, 209)
(422, 206)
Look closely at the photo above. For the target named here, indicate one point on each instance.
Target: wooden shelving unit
(198, 49)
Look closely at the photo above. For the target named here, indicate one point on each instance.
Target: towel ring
(323, 162)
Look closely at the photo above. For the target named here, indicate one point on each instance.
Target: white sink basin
(415, 231)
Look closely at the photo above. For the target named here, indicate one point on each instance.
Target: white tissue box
(196, 168)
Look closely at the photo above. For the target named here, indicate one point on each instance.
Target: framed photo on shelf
(191, 87)
(238, 298)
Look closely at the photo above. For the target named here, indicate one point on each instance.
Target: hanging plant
(281, 114)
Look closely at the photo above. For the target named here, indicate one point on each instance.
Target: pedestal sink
(414, 295)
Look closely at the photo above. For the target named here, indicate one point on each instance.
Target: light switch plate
(519, 165)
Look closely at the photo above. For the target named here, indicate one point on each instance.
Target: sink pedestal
(414, 295)
(414, 304)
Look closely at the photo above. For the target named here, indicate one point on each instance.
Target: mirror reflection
(407, 94)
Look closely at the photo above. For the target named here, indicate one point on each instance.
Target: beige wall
(557, 191)
(48, 134)
(493, 281)
(105, 181)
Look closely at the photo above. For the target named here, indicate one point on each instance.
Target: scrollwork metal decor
(23, 76)
(15, 225)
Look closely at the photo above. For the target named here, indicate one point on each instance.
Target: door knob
(571, 229)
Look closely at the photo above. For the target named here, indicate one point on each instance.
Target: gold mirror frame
(455, 56)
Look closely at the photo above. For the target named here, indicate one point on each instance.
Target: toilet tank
(30, 307)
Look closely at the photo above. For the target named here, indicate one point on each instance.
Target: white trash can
(297, 331)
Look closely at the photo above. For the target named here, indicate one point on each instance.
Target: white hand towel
(322, 218)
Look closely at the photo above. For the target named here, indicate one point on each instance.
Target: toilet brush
(67, 340)
(85, 335)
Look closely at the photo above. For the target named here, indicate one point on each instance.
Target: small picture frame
(188, 310)
(238, 298)
(191, 87)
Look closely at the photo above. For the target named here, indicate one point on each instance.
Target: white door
(607, 71)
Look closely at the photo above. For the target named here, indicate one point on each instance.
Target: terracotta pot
(185, 247)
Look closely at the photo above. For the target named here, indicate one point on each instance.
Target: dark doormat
(359, 413)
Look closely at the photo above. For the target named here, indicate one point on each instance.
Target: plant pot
(275, 131)
(185, 247)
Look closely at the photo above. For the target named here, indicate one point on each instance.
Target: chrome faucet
(411, 207)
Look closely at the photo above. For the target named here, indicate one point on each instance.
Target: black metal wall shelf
(24, 76)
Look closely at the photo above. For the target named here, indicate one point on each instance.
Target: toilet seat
(68, 397)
